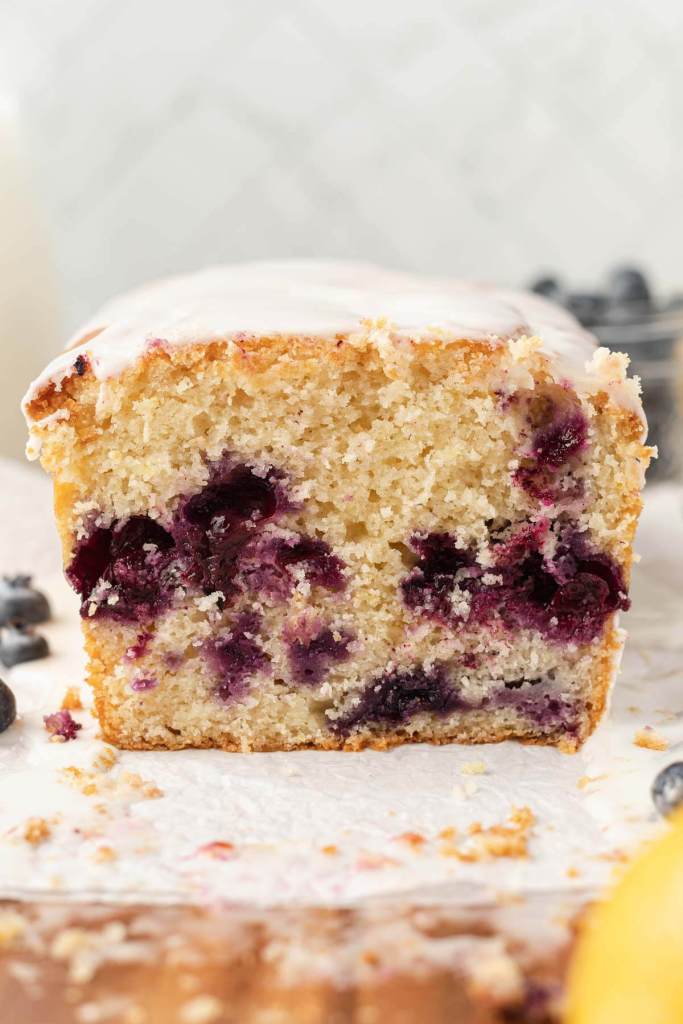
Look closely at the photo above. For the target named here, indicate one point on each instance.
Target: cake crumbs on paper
(61, 726)
(330, 850)
(614, 857)
(149, 790)
(71, 701)
(586, 780)
(104, 854)
(98, 783)
(650, 739)
(412, 839)
(473, 768)
(510, 839)
(105, 760)
(217, 850)
(573, 872)
(37, 831)
(202, 1009)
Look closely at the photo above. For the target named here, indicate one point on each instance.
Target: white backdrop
(488, 138)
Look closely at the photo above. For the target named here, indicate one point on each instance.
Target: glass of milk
(29, 307)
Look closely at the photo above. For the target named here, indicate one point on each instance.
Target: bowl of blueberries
(626, 316)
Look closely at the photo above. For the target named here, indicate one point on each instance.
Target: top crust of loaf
(312, 310)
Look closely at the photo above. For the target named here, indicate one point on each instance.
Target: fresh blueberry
(8, 707)
(20, 602)
(667, 789)
(588, 307)
(628, 286)
(549, 287)
(21, 643)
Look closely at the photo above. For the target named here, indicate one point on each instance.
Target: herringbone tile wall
(479, 137)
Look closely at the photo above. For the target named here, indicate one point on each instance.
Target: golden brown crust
(251, 354)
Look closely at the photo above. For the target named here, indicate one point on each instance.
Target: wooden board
(62, 963)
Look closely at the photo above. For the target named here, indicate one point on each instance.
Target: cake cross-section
(322, 504)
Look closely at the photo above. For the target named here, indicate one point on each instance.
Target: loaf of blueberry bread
(322, 504)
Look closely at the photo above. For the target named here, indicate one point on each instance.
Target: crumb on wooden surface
(371, 958)
(12, 927)
(204, 1009)
(85, 950)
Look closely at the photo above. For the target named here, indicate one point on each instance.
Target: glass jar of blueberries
(626, 317)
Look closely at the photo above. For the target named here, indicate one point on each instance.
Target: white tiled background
(480, 137)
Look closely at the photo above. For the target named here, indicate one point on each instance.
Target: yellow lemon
(628, 965)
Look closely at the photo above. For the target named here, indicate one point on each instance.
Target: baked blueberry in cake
(322, 504)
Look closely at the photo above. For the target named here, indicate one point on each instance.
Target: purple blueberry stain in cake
(312, 649)
(556, 441)
(91, 559)
(272, 565)
(396, 696)
(236, 656)
(216, 543)
(138, 650)
(144, 684)
(567, 598)
(561, 440)
(61, 726)
(213, 527)
(540, 705)
(173, 659)
(124, 571)
(429, 586)
(320, 566)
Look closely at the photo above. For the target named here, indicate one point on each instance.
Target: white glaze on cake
(327, 299)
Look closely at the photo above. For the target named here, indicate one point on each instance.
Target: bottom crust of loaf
(281, 721)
